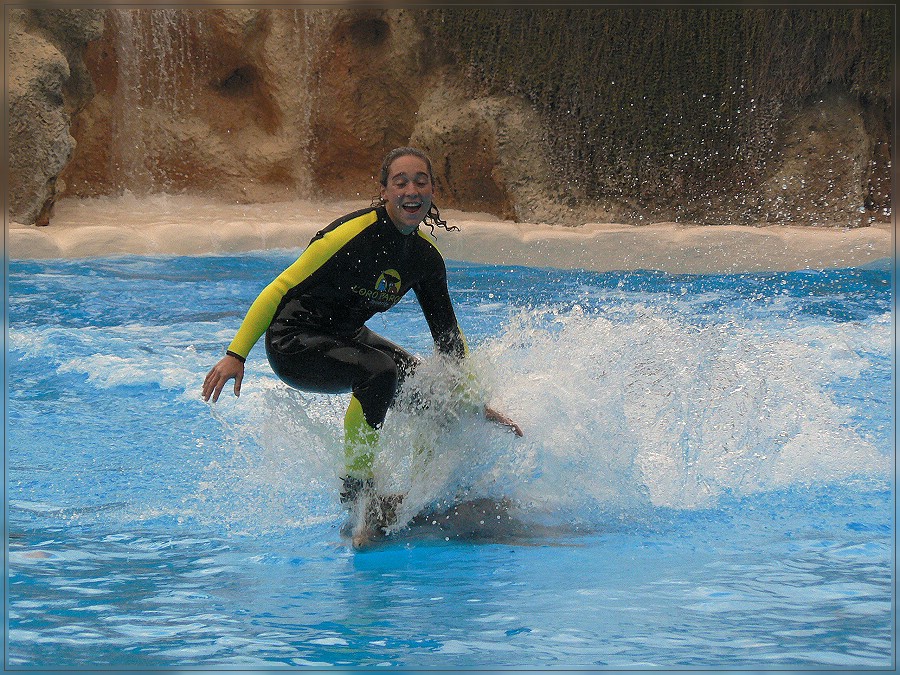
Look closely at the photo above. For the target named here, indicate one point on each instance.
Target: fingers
(219, 375)
(500, 418)
(208, 386)
(517, 430)
(218, 390)
(212, 386)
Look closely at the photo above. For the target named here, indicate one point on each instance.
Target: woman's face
(408, 192)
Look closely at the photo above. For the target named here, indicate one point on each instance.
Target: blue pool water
(705, 481)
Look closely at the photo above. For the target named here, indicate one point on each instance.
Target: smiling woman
(407, 190)
(314, 315)
(407, 195)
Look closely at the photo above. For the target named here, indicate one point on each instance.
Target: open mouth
(411, 207)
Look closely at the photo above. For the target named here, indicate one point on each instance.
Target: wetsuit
(314, 314)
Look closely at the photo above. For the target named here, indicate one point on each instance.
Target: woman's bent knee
(377, 389)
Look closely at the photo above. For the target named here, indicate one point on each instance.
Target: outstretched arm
(229, 367)
(499, 418)
(259, 317)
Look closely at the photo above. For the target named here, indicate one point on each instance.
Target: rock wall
(47, 83)
(826, 156)
(214, 104)
(263, 104)
(829, 166)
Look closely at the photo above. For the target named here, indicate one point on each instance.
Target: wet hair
(433, 217)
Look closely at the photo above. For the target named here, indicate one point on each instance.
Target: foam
(659, 413)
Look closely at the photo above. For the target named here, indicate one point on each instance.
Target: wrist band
(237, 356)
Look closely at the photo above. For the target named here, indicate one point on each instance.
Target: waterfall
(157, 76)
(173, 92)
(308, 31)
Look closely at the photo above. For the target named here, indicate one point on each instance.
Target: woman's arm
(255, 323)
(499, 418)
(434, 298)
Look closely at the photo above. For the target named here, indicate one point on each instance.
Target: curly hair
(433, 217)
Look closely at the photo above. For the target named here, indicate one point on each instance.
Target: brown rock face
(208, 101)
(47, 83)
(275, 103)
(822, 178)
(462, 135)
(370, 77)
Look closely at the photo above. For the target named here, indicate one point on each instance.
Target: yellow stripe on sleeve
(263, 309)
(430, 240)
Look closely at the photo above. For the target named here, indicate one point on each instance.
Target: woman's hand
(494, 416)
(229, 367)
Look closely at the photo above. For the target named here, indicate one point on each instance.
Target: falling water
(307, 33)
(165, 61)
(155, 78)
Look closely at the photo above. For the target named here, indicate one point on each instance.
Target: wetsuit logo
(386, 292)
(388, 282)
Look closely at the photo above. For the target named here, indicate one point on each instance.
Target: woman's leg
(366, 364)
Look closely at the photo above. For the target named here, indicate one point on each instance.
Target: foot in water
(375, 514)
(370, 514)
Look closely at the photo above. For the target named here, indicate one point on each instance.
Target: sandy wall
(190, 226)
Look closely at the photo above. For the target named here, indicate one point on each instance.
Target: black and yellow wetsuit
(314, 314)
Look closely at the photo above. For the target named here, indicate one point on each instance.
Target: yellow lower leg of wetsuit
(360, 440)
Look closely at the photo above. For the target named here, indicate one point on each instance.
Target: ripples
(688, 591)
(148, 530)
(77, 594)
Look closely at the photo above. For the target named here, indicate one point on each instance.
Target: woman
(314, 313)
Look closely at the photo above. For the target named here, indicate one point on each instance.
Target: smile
(411, 207)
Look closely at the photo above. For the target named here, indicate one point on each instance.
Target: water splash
(631, 400)
(623, 413)
(639, 405)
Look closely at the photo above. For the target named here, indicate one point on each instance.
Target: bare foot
(363, 538)
(374, 515)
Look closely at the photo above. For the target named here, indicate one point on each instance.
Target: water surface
(705, 480)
